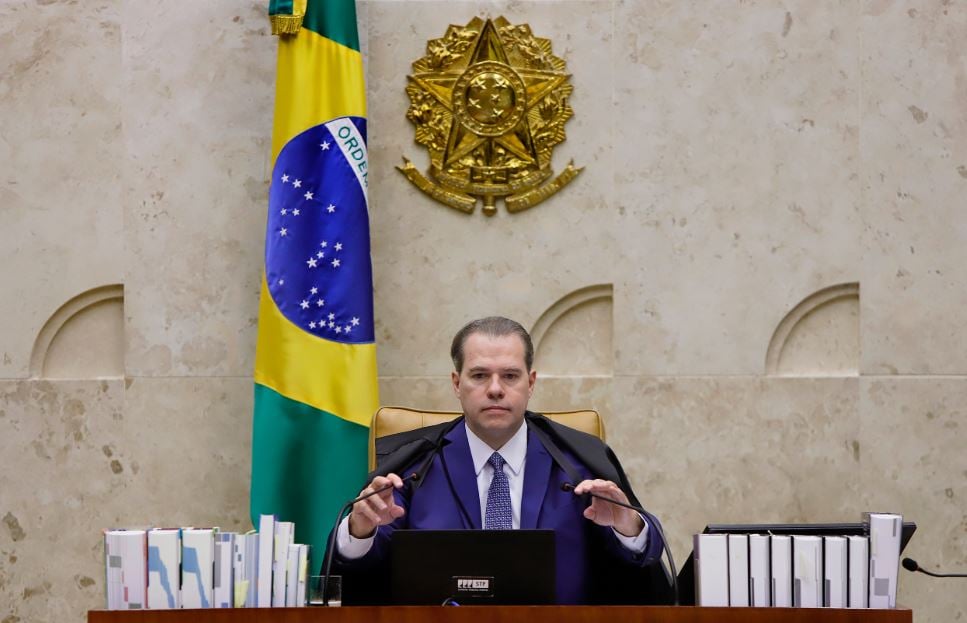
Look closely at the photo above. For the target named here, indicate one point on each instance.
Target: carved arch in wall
(84, 338)
(574, 336)
(819, 336)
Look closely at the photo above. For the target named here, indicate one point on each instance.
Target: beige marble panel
(193, 443)
(90, 455)
(199, 84)
(435, 268)
(914, 432)
(60, 149)
(914, 174)
(735, 178)
(567, 393)
(434, 393)
(62, 482)
(738, 450)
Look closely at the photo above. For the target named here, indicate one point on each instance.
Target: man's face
(494, 386)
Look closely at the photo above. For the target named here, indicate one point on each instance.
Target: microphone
(327, 570)
(567, 486)
(911, 565)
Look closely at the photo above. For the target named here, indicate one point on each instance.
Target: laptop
(508, 567)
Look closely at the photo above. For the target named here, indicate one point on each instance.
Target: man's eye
(511, 377)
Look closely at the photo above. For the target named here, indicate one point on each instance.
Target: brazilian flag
(315, 361)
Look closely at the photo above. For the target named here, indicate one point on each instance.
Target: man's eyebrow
(486, 369)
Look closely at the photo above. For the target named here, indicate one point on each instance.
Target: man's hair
(493, 326)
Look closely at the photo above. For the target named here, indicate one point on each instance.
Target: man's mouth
(496, 408)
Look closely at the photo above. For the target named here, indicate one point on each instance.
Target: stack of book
(801, 571)
(167, 568)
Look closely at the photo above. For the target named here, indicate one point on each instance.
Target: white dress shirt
(514, 453)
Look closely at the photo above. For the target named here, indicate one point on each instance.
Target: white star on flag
(347, 328)
(323, 244)
(320, 302)
(314, 290)
(338, 329)
(308, 195)
(331, 324)
(338, 246)
(295, 212)
(312, 325)
(332, 316)
(297, 184)
(324, 145)
(355, 321)
(285, 178)
(331, 208)
(283, 211)
(335, 263)
(311, 262)
(304, 304)
(283, 232)
(320, 255)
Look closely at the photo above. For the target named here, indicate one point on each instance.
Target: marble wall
(756, 279)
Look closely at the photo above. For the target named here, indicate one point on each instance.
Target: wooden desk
(504, 614)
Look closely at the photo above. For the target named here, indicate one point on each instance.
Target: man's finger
(367, 513)
(377, 502)
(381, 481)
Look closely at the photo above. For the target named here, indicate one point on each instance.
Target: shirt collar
(514, 451)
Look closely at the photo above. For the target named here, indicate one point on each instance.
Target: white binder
(859, 571)
(885, 529)
(760, 584)
(711, 570)
(125, 562)
(224, 577)
(266, 557)
(284, 535)
(738, 570)
(164, 569)
(807, 571)
(781, 569)
(197, 567)
(835, 572)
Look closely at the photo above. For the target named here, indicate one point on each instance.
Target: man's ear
(531, 379)
(455, 379)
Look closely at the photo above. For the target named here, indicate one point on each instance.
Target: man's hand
(603, 513)
(376, 510)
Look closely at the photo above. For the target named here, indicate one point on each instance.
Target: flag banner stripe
(333, 20)
(304, 455)
(333, 377)
(299, 93)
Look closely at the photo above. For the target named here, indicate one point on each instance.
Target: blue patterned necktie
(498, 515)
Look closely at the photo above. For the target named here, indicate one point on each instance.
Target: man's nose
(494, 388)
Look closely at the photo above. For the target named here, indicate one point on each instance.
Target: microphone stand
(654, 522)
(327, 571)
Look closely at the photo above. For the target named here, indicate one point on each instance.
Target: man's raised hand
(603, 513)
(376, 510)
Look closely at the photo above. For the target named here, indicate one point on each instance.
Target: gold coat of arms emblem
(489, 102)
